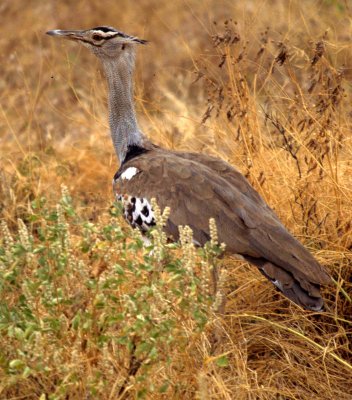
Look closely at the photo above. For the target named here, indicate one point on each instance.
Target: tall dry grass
(265, 85)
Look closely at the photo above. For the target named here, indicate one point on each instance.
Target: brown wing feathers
(197, 187)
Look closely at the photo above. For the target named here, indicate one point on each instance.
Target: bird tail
(306, 299)
(298, 289)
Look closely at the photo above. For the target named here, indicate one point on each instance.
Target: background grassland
(265, 85)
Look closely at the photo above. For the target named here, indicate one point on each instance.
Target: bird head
(103, 41)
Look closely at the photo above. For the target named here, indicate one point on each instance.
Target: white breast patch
(137, 211)
(129, 173)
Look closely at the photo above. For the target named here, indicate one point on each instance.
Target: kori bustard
(197, 187)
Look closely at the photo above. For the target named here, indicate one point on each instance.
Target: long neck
(122, 117)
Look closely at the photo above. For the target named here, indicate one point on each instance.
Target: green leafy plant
(76, 293)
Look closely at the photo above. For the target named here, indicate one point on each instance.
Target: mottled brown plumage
(198, 187)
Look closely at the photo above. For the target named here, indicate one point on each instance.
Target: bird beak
(71, 35)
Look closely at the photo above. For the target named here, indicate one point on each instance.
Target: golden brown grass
(266, 85)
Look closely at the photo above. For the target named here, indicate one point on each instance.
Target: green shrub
(88, 309)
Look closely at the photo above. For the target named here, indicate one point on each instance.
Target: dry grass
(266, 85)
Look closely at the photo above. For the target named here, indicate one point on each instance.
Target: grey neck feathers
(122, 117)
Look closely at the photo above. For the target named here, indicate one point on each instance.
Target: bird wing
(195, 193)
(228, 172)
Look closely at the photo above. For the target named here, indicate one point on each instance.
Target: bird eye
(97, 38)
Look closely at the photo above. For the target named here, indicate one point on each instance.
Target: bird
(195, 186)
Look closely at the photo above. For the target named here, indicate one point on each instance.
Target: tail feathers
(297, 294)
(302, 292)
(296, 288)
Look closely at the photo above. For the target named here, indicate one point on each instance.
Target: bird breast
(137, 210)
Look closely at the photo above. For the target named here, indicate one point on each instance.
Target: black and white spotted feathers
(137, 211)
